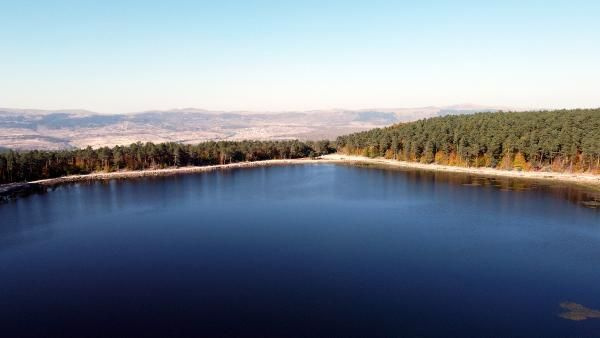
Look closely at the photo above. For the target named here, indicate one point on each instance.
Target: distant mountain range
(58, 129)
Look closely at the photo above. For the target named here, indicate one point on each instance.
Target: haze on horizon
(127, 56)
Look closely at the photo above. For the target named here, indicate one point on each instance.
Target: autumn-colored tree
(546, 140)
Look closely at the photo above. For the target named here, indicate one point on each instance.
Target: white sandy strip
(579, 178)
(175, 171)
(583, 179)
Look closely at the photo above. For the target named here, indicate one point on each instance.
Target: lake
(305, 250)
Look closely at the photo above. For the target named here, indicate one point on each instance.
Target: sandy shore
(175, 171)
(578, 178)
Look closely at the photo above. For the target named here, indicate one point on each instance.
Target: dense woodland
(563, 140)
(34, 165)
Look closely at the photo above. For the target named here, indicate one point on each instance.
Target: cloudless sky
(123, 56)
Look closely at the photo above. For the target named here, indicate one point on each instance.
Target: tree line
(16, 166)
(560, 140)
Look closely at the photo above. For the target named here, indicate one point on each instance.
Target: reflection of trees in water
(577, 194)
(574, 194)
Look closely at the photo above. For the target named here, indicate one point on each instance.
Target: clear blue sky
(123, 56)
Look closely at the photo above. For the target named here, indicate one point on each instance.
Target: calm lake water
(308, 250)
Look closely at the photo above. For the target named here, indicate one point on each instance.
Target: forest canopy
(561, 140)
(35, 165)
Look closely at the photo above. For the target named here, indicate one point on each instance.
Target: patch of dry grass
(578, 312)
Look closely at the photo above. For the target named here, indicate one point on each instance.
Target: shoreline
(173, 171)
(10, 190)
(589, 180)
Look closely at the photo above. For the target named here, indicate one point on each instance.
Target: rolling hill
(64, 129)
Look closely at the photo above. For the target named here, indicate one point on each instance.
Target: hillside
(561, 140)
(65, 129)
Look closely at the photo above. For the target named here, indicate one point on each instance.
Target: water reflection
(375, 252)
(102, 197)
(578, 194)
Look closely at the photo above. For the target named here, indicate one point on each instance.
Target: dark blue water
(313, 250)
